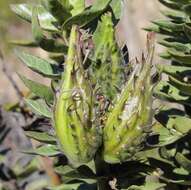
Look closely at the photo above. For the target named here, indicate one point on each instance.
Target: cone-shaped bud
(74, 116)
(107, 66)
(128, 118)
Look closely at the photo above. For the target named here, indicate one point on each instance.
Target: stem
(102, 184)
(102, 171)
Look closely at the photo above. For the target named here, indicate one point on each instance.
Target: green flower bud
(74, 117)
(125, 126)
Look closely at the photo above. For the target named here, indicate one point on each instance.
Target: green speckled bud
(74, 117)
(125, 127)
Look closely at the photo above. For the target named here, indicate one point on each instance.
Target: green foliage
(39, 65)
(175, 122)
(41, 137)
(38, 89)
(44, 150)
(100, 106)
(39, 107)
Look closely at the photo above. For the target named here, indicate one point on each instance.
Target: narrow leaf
(24, 11)
(24, 43)
(57, 10)
(45, 150)
(41, 136)
(88, 15)
(39, 65)
(41, 90)
(50, 45)
(39, 107)
(183, 161)
(168, 92)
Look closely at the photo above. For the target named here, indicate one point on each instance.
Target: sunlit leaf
(39, 65)
(38, 89)
(44, 150)
(39, 107)
(41, 136)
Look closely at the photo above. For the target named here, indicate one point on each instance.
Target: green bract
(130, 115)
(74, 115)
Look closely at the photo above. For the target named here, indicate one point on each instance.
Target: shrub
(100, 106)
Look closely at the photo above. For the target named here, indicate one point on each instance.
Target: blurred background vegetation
(7, 21)
(11, 28)
(137, 15)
